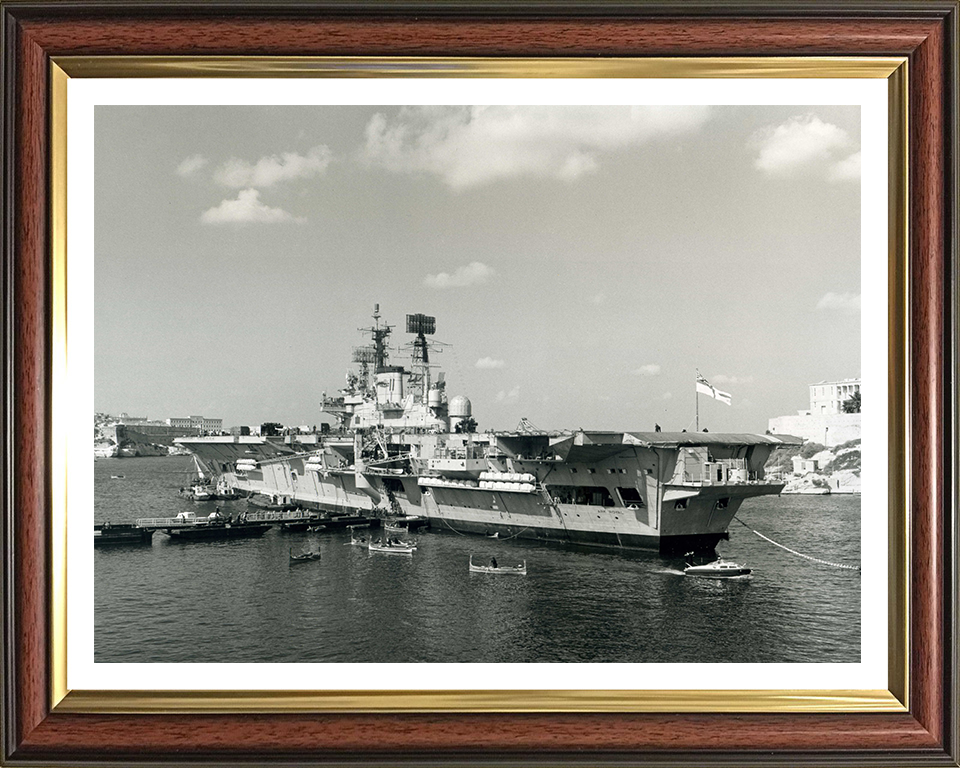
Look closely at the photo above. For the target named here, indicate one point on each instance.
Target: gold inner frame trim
(230, 702)
(60, 398)
(898, 415)
(893, 69)
(415, 66)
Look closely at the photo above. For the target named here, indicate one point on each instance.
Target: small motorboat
(305, 557)
(202, 493)
(718, 569)
(225, 493)
(494, 567)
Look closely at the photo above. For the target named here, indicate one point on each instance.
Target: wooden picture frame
(39, 729)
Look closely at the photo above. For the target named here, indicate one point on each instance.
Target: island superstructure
(400, 447)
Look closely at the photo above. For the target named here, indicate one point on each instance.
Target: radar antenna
(421, 325)
(364, 356)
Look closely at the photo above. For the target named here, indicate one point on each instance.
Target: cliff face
(813, 469)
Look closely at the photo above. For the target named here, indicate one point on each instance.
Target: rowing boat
(306, 557)
(494, 567)
(386, 547)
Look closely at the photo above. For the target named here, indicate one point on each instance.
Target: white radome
(460, 407)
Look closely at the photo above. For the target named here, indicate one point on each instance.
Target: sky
(582, 262)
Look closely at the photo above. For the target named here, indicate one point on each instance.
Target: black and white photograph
(420, 384)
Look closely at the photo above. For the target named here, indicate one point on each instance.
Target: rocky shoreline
(812, 469)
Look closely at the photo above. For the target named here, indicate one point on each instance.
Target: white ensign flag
(706, 388)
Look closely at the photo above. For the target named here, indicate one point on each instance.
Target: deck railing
(170, 522)
(279, 516)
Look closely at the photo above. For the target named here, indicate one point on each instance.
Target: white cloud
(719, 379)
(800, 143)
(488, 363)
(474, 273)
(469, 146)
(191, 165)
(509, 397)
(245, 209)
(270, 170)
(840, 302)
(648, 370)
(847, 169)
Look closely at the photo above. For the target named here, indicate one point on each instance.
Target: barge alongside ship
(401, 448)
(120, 533)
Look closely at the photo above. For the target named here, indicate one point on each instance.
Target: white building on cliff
(829, 396)
(825, 422)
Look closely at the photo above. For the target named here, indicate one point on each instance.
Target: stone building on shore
(825, 422)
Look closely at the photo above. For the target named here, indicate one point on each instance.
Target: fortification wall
(159, 434)
(827, 429)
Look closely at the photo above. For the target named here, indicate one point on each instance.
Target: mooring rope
(499, 538)
(798, 554)
(451, 527)
(507, 538)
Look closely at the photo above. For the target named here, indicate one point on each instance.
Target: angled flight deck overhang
(597, 446)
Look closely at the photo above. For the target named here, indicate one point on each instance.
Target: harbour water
(242, 600)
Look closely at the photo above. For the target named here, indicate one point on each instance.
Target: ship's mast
(380, 336)
(375, 353)
(420, 359)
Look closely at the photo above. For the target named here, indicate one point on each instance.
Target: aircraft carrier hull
(669, 494)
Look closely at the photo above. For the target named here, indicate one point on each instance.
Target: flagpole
(698, 402)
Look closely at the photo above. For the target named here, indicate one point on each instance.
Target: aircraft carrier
(400, 447)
